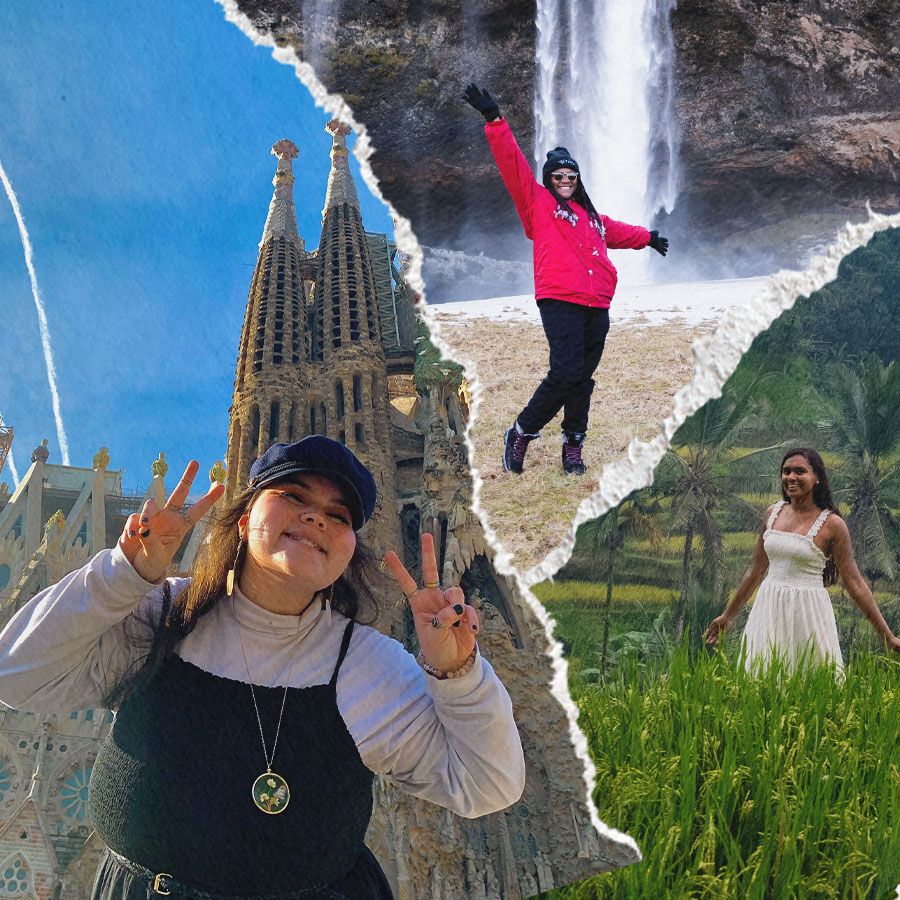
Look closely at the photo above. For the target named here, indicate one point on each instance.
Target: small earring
(326, 604)
(229, 580)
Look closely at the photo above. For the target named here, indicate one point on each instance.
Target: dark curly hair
(821, 496)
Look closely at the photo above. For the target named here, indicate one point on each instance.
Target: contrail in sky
(42, 317)
(11, 462)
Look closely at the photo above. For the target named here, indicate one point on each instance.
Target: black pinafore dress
(171, 794)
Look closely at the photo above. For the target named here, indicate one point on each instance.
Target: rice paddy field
(782, 787)
(786, 786)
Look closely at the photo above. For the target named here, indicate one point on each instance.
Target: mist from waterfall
(604, 88)
(316, 25)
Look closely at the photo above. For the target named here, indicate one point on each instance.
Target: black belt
(162, 884)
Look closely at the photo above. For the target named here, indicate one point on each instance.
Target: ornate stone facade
(327, 346)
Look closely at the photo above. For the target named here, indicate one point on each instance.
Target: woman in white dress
(804, 546)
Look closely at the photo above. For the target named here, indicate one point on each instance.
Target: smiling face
(563, 182)
(797, 477)
(299, 536)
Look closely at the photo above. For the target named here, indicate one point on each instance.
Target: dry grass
(641, 371)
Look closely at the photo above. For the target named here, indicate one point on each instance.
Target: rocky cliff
(790, 114)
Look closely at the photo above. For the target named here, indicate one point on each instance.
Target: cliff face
(402, 66)
(790, 113)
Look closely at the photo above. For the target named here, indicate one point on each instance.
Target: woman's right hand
(716, 629)
(152, 537)
(482, 101)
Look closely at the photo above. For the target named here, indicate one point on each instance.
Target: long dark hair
(221, 550)
(821, 496)
(580, 196)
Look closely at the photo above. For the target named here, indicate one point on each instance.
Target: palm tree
(632, 518)
(866, 433)
(702, 474)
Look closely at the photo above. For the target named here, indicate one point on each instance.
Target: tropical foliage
(780, 786)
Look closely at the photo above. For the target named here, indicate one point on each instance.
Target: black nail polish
(456, 624)
(144, 520)
(145, 532)
(458, 609)
(131, 533)
(474, 628)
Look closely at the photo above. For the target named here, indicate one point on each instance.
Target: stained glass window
(14, 877)
(73, 795)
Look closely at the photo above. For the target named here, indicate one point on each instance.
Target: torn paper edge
(716, 356)
(503, 560)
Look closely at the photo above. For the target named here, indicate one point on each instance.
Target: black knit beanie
(558, 158)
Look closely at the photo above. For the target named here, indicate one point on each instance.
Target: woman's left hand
(445, 624)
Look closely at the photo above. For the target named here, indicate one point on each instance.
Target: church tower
(351, 401)
(271, 380)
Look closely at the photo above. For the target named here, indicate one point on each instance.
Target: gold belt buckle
(157, 886)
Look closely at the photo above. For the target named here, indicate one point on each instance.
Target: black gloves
(482, 101)
(659, 244)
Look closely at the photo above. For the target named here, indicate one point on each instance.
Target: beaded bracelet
(440, 674)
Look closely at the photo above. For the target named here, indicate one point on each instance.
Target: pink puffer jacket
(570, 260)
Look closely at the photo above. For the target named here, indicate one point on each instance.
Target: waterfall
(604, 88)
(318, 17)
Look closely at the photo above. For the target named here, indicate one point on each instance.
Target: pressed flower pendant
(271, 793)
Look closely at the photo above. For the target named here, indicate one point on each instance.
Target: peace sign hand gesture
(445, 624)
(152, 537)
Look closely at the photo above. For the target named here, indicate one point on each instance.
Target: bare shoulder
(835, 527)
(768, 515)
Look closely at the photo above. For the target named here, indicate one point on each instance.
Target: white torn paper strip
(716, 357)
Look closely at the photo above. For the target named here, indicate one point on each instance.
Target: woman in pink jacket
(574, 282)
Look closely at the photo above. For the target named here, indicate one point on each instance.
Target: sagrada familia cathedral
(331, 344)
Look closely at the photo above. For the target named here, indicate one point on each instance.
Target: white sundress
(792, 615)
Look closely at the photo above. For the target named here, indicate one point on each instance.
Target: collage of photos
(450, 450)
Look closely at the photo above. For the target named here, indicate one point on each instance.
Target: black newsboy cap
(318, 455)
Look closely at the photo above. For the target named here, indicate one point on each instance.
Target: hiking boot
(515, 443)
(571, 453)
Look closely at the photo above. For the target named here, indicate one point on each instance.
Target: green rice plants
(784, 784)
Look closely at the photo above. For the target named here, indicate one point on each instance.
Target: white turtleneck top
(452, 742)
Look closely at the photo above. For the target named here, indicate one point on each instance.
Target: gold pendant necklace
(270, 790)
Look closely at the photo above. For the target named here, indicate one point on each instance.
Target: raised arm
(838, 537)
(752, 579)
(66, 647)
(452, 742)
(448, 733)
(514, 168)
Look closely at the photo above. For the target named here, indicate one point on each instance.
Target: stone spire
(271, 380)
(282, 219)
(351, 381)
(341, 188)
(346, 310)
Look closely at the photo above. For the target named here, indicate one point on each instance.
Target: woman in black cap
(574, 282)
(252, 705)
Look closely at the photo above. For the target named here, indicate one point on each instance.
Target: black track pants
(576, 335)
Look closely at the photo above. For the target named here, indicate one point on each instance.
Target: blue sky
(137, 137)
